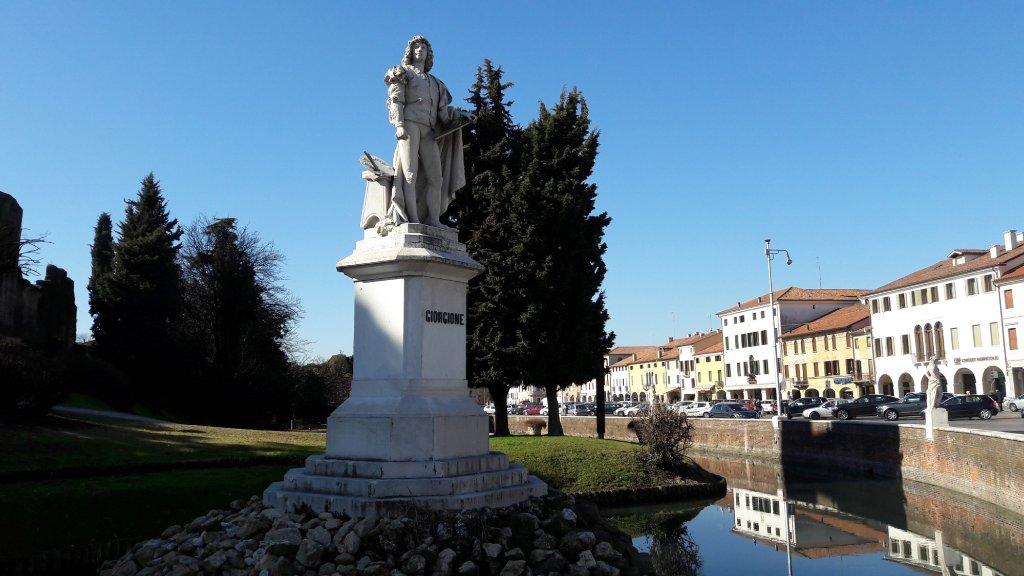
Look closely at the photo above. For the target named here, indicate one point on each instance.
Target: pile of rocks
(555, 534)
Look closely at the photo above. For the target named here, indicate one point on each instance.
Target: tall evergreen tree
(563, 327)
(488, 223)
(102, 251)
(144, 291)
(237, 318)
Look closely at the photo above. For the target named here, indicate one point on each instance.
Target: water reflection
(816, 526)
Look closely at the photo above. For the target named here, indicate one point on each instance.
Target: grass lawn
(95, 496)
(58, 444)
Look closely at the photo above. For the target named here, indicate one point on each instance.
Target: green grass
(36, 517)
(59, 445)
(575, 464)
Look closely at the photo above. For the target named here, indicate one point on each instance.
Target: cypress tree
(564, 335)
(102, 251)
(488, 224)
(144, 293)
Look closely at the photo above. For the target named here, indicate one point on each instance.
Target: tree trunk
(600, 406)
(499, 396)
(554, 420)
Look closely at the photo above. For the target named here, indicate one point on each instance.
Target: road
(1005, 421)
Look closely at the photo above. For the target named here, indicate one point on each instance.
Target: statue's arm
(449, 115)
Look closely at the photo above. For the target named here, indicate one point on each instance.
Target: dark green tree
(143, 293)
(102, 251)
(236, 318)
(563, 327)
(488, 221)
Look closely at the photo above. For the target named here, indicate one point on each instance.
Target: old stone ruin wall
(41, 314)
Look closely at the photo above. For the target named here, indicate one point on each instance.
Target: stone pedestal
(933, 418)
(409, 433)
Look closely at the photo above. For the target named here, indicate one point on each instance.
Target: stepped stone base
(380, 488)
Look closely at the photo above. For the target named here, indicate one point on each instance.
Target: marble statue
(428, 167)
(934, 383)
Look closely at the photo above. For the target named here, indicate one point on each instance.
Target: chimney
(660, 351)
(1010, 239)
(995, 250)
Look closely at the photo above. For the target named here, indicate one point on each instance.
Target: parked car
(611, 407)
(863, 406)
(678, 407)
(515, 409)
(489, 408)
(638, 410)
(797, 407)
(823, 411)
(731, 410)
(1016, 404)
(625, 406)
(768, 407)
(971, 406)
(579, 409)
(698, 409)
(912, 404)
(534, 409)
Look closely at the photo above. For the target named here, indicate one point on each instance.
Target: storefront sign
(981, 359)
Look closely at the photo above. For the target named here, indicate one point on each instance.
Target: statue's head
(422, 41)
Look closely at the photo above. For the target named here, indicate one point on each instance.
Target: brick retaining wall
(982, 464)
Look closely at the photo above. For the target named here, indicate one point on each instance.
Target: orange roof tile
(846, 317)
(1012, 275)
(945, 269)
(795, 294)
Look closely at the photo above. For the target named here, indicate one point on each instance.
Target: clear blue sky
(873, 136)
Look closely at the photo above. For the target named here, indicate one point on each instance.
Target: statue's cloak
(453, 170)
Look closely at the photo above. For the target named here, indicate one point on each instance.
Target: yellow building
(709, 369)
(830, 356)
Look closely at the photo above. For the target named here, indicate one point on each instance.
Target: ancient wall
(980, 463)
(42, 314)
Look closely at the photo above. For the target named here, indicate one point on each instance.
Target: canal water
(800, 522)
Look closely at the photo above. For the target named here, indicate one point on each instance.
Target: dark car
(730, 410)
(611, 407)
(863, 406)
(581, 409)
(970, 406)
(912, 404)
(797, 407)
(515, 409)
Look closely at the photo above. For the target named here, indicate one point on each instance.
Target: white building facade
(950, 310)
(1011, 300)
(752, 354)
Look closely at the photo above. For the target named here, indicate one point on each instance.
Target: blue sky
(869, 136)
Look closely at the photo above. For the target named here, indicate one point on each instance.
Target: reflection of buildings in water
(814, 533)
(932, 554)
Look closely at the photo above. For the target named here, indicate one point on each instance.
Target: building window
(886, 304)
(888, 346)
(950, 291)
(762, 313)
(989, 286)
(814, 344)
(913, 298)
(849, 365)
(993, 330)
(901, 300)
(878, 346)
(728, 370)
(1008, 299)
(765, 366)
(940, 341)
(815, 369)
(1011, 338)
(803, 348)
(929, 341)
(874, 306)
(923, 297)
(764, 336)
(976, 329)
(725, 321)
(824, 341)
(905, 344)
(785, 371)
(833, 341)
(919, 343)
(954, 339)
(972, 286)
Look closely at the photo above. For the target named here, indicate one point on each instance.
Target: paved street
(1005, 421)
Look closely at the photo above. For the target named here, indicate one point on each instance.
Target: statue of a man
(428, 159)
(934, 383)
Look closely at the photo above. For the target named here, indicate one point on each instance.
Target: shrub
(30, 382)
(665, 435)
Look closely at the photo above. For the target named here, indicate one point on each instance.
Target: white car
(679, 407)
(823, 411)
(489, 409)
(1015, 404)
(699, 409)
(544, 411)
(621, 410)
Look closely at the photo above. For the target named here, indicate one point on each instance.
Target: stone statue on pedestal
(428, 167)
(933, 414)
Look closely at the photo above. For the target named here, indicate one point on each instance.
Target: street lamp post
(769, 255)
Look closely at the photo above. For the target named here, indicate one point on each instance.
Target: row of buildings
(845, 342)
